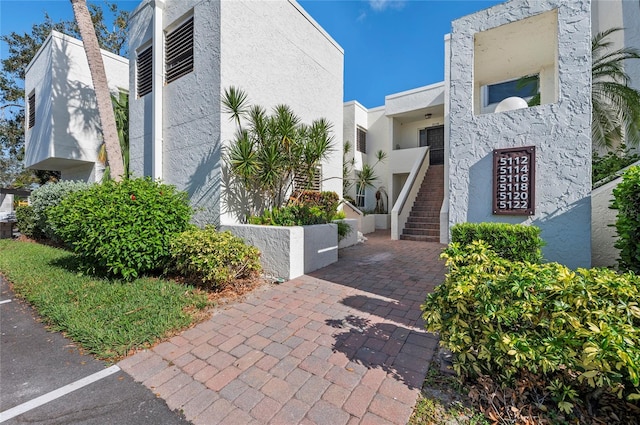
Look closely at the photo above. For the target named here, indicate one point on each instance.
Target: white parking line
(43, 399)
(5, 301)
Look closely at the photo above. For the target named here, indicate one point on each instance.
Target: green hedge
(577, 331)
(122, 228)
(514, 242)
(46, 197)
(213, 258)
(26, 221)
(627, 202)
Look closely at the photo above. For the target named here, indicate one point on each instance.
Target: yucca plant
(271, 151)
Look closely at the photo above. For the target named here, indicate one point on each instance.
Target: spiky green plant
(270, 151)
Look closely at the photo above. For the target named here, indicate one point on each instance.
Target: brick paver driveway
(343, 345)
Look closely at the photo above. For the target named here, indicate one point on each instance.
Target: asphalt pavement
(46, 379)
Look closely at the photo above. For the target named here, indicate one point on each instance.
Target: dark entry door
(434, 138)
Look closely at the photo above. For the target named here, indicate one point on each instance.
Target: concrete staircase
(423, 223)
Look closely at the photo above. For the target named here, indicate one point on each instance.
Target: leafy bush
(306, 208)
(515, 242)
(214, 258)
(47, 196)
(627, 202)
(26, 221)
(291, 215)
(605, 167)
(327, 201)
(577, 331)
(122, 228)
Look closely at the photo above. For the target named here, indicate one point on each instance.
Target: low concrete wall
(352, 237)
(367, 224)
(289, 252)
(320, 246)
(383, 221)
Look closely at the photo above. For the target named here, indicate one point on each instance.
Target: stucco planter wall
(352, 237)
(367, 224)
(289, 252)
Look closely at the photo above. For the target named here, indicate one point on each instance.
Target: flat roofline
(42, 48)
(355, 103)
(313, 22)
(75, 41)
(414, 91)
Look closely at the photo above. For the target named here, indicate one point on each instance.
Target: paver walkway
(343, 345)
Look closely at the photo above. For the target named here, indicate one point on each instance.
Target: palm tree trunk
(100, 86)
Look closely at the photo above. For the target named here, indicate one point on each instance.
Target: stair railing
(402, 207)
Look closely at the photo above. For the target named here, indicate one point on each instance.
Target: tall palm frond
(616, 106)
(234, 103)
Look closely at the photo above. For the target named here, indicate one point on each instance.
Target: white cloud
(362, 16)
(380, 5)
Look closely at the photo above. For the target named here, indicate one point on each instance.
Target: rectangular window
(526, 87)
(144, 77)
(360, 191)
(32, 109)
(179, 51)
(362, 140)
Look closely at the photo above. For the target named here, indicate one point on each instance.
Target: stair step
(420, 238)
(425, 214)
(422, 225)
(421, 232)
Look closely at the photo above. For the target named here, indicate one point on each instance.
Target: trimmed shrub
(47, 196)
(26, 222)
(122, 228)
(213, 258)
(627, 202)
(327, 201)
(515, 242)
(291, 215)
(579, 332)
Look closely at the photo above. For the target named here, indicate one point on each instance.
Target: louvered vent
(145, 72)
(301, 181)
(362, 141)
(32, 109)
(179, 51)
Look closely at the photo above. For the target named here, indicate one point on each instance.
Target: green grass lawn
(105, 317)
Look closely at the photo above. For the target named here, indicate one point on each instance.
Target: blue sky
(389, 46)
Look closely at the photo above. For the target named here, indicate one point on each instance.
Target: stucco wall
(378, 138)
(273, 51)
(410, 100)
(560, 131)
(38, 138)
(607, 14)
(67, 132)
(290, 251)
(354, 115)
(140, 113)
(191, 147)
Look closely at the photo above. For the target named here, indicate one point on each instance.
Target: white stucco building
(62, 128)
(486, 53)
(185, 53)
(440, 140)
